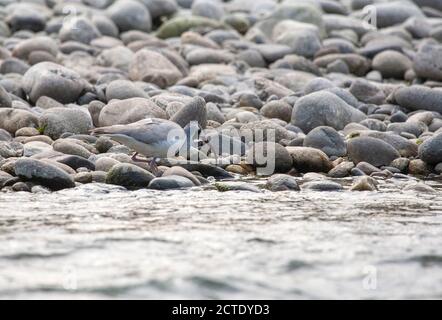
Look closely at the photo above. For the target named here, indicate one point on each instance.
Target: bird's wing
(148, 131)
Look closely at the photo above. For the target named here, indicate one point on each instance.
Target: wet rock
(75, 162)
(269, 157)
(420, 188)
(130, 15)
(430, 151)
(129, 176)
(313, 110)
(371, 150)
(364, 184)
(307, 159)
(43, 173)
(153, 67)
(418, 167)
(195, 110)
(322, 185)
(367, 168)
(341, 170)
(327, 140)
(401, 164)
(224, 187)
(54, 81)
(12, 120)
(56, 121)
(129, 111)
(179, 171)
(282, 182)
(170, 182)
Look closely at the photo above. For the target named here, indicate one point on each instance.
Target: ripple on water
(207, 244)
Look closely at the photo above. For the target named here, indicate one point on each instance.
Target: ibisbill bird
(153, 138)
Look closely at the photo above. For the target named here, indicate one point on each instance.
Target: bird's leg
(153, 166)
(135, 159)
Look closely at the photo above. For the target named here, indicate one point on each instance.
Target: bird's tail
(104, 130)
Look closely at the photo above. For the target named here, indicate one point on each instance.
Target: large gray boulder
(54, 81)
(153, 67)
(57, 121)
(374, 151)
(43, 173)
(323, 109)
(129, 176)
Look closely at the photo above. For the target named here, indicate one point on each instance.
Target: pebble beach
(341, 99)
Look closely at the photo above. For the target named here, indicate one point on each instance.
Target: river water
(99, 241)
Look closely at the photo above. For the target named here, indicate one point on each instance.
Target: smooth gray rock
(129, 176)
(5, 99)
(13, 119)
(129, 111)
(153, 67)
(282, 182)
(160, 8)
(123, 89)
(56, 121)
(430, 151)
(179, 171)
(367, 92)
(78, 29)
(322, 185)
(43, 173)
(327, 140)
(278, 109)
(195, 110)
(419, 98)
(9, 149)
(54, 81)
(428, 61)
(323, 109)
(269, 157)
(392, 64)
(207, 8)
(170, 182)
(130, 15)
(307, 159)
(371, 150)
